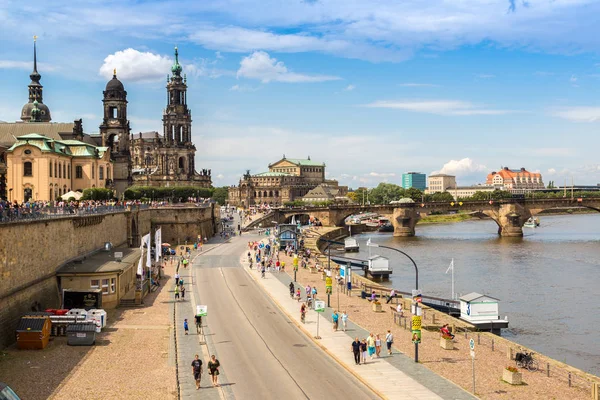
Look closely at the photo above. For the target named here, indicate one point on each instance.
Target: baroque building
(140, 159)
(169, 159)
(287, 180)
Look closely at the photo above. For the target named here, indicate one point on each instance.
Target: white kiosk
(482, 311)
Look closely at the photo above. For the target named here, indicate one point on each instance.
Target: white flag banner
(451, 267)
(158, 243)
(146, 240)
(140, 268)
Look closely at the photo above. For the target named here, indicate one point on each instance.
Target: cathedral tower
(177, 119)
(35, 95)
(115, 133)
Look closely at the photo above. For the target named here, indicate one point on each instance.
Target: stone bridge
(510, 215)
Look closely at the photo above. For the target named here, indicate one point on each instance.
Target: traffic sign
(202, 310)
(472, 344)
(319, 306)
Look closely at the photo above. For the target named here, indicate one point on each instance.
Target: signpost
(472, 347)
(201, 311)
(319, 307)
(416, 329)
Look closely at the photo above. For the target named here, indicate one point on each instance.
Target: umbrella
(166, 245)
(75, 195)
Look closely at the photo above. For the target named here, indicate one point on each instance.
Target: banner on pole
(158, 243)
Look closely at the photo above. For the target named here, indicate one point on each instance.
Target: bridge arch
(302, 217)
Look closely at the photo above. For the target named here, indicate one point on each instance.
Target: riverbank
(446, 218)
(455, 365)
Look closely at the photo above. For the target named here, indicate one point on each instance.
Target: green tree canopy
(221, 194)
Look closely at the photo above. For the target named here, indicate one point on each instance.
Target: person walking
(371, 345)
(186, 327)
(344, 320)
(198, 319)
(182, 290)
(334, 318)
(355, 348)
(389, 340)
(213, 369)
(391, 296)
(176, 293)
(377, 345)
(197, 370)
(363, 351)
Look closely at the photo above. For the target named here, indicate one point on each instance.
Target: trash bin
(81, 334)
(99, 315)
(363, 294)
(349, 285)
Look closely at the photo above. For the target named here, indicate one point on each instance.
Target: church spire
(35, 76)
(176, 69)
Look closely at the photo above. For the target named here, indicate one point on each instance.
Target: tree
(386, 192)
(97, 194)
(221, 194)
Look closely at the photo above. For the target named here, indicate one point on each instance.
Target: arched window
(277, 193)
(69, 172)
(51, 193)
(181, 162)
(265, 194)
(259, 193)
(56, 170)
(78, 172)
(50, 169)
(107, 172)
(28, 168)
(181, 133)
(93, 172)
(64, 189)
(270, 193)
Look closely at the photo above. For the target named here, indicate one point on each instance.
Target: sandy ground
(130, 359)
(456, 364)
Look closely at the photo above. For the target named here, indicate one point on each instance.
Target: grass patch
(438, 219)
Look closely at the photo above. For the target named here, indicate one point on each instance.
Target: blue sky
(372, 88)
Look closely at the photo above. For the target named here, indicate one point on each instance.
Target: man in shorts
(197, 370)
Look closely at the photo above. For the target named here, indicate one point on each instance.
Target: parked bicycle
(526, 360)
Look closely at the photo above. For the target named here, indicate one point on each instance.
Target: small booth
(288, 234)
(379, 267)
(81, 334)
(482, 311)
(33, 332)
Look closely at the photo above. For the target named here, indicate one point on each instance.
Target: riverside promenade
(392, 377)
(553, 380)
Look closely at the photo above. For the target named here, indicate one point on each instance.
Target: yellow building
(41, 168)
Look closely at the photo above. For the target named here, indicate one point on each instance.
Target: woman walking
(377, 345)
(371, 345)
(344, 320)
(363, 350)
(213, 369)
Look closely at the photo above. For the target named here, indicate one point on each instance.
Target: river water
(548, 282)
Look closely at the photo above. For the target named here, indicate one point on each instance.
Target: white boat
(530, 223)
(350, 245)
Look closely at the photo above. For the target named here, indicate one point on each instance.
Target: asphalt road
(262, 353)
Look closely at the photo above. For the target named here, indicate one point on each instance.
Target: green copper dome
(176, 68)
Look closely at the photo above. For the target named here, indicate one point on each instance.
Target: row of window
(61, 171)
(106, 289)
(266, 194)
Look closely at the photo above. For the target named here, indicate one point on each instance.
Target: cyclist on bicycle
(302, 312)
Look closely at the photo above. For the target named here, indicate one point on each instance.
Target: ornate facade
(287, 180)
(169, 159)
(140, 159)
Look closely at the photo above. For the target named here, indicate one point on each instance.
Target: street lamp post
(416, 283)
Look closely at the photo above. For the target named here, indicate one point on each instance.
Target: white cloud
(440, 107)
(259, 65)
(579, 114)
(573, 79)
(242, 88)
(465, 166)
(349, 88)
(485, 76)
(136, 66)
(551, 171)
(382, 174)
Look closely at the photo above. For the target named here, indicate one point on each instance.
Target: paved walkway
(193, 343)
(394, 377)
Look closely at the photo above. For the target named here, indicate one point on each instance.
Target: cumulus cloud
(440, 107)
(349, 88)
(551, 171)
(579, 114)
(136, 66)
(465, 166)
(259, 65)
